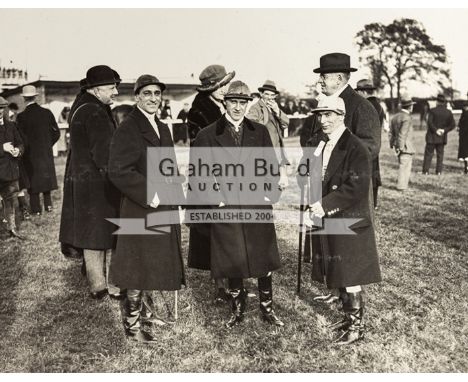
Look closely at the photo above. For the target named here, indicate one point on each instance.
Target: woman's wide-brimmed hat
(213, 77)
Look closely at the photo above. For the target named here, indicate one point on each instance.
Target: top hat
(365, 84)
(441, 98)
(335, 63)
(101, 75)
(3, 102)
(213, 77)
(145, 80)
(238, 90)
(29, 91)
(268, 85)
(335, 104)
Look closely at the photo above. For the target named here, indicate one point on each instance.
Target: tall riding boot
(132, 323)
(24, 207)
(353, 308)
(265, 291)
(466, 166)
(237, 299)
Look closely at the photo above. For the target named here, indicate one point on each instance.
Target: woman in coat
(463, 139)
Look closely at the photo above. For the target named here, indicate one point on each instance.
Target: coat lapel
(222, 134)
(146, 129)
(337, 156)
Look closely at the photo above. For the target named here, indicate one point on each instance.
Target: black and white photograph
(233, 189)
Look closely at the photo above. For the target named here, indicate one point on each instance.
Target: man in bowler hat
(89, 198)
(439, 122)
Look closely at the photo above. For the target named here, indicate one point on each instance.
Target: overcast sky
(283, 45)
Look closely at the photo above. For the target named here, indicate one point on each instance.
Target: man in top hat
(344, 262)
(361, 117)
(207, 107)
(145, 262)
(401, 139)
(11, 148)
(89, 198)
(267, 112)
(40, 131)
(463, 139)
(366, 89)
(241, 250)
(439, 122)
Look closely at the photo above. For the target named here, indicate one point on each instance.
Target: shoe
(221, 296)
(99, 295)
(36, 214)
(327, 299)
(49, 209)
(438, 173)
(16, 235)
(154, 321)
(343, 324)
(353, 307)
(140, 336)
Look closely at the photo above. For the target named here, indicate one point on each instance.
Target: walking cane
(176, 301)
(299, 254)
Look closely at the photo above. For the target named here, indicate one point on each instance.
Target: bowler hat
(406, 102)
(29, 91)
(213, 77)
(268, 85)
(335, 63)
(101, 75)
(335, 104)
(145, 80)
(365, 84)
(3, 102)
(441, 98)
(238, 90)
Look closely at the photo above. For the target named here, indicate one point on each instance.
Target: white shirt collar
(235, 123)
(336, 135)
(146, 114)
(405, 111)
(30, 103)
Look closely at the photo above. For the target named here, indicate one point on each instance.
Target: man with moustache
(207, 107)
(89, 198)
(145, 262)
(241, 250)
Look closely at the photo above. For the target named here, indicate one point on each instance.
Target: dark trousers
(35, 203)
(429, 152)
(8, 191)
(375, 190)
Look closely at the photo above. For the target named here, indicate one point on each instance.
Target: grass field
(416, 316)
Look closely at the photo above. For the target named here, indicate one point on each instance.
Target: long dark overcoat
(463, 134)
(9, 165)
(202, 113)
(362, 119)
(89, 198)
(352, 259)
(146, 262)
(241, 250)
(40, 131)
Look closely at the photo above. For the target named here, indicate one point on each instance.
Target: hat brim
(320, 109)
(212, 87)
(262, 89)
(335, 70)
(408, 104)
(365, 88)
(101, 83)
(240, 96)
(29, 94)
(160, 84)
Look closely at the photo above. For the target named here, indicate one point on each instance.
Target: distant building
(11, 78)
